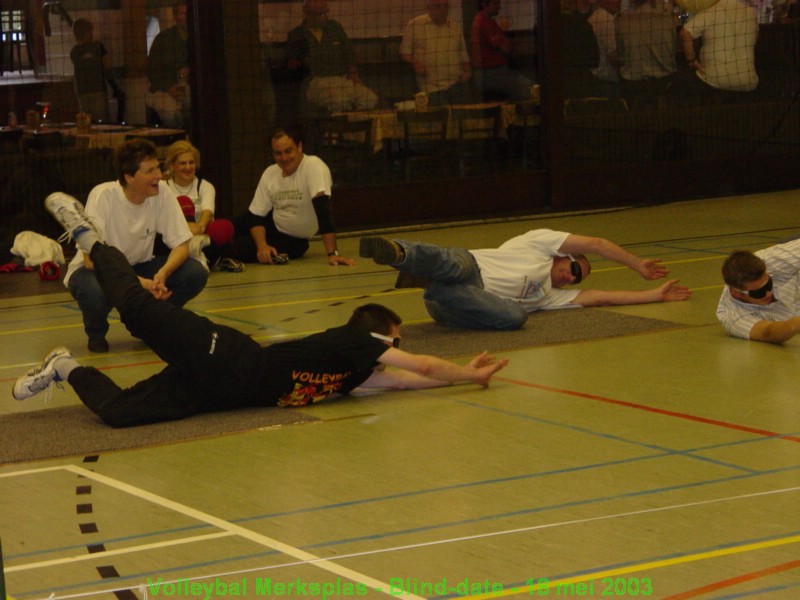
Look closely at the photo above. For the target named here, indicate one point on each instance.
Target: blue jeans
(185, 283)
(456, 297)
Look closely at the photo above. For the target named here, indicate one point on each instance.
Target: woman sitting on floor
(212, 237)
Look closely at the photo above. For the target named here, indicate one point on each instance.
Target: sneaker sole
(380, 250)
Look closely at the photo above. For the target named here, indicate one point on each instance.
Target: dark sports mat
(76, 431)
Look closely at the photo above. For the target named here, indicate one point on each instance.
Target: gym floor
(664, 464)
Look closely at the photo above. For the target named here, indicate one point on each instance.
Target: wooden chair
(346, 147)
(423, 145)
(479, 146)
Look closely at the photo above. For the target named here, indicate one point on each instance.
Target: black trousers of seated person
(210, 367)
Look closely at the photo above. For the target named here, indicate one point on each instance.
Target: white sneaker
(40, 378)
(69, 213)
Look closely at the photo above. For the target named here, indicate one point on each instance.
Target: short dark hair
(130, 155)
(374, 317)
(293, 132)
(742, 267)
(82, 29)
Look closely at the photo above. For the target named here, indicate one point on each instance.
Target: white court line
(305, 558)
(263, 540)
(106, 553)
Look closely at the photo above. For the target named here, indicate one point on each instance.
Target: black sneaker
(231, 265)
(381, 250)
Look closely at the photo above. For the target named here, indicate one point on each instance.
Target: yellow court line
(666, 262)
(656, 564)
(311, 301)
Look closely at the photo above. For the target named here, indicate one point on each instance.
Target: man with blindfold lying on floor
(760, 301)
(211, 367)
(497, 288)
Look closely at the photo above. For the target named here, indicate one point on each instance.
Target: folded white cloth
(36, 249)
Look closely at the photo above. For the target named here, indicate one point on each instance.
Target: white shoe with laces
(41, 378)
(69, 213)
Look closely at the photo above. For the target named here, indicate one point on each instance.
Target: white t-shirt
(783, 265)
(729, 29)
(130, 227)
(520, 270)
(290, 197)
(441, 48)
(203, 197)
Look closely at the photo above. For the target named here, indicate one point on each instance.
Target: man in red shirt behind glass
(491, 50)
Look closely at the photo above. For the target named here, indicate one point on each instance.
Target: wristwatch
(334, 253)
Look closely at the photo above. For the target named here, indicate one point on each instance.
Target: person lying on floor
(496, 288)
(211, 367)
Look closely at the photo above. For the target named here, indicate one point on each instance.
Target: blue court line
(140, 577)
(421, 492)
(607, 436)
(541, 509)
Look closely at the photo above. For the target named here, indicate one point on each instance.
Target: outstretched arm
(581, 244)
(669, 291)
(421, 371)
(776, 332)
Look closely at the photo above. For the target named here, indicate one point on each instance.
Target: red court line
(106, 368)
(660, 411)
(713, 587)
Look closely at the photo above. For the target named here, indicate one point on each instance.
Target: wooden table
(387, 126)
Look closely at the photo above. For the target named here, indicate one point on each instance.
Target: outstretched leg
(471, 307)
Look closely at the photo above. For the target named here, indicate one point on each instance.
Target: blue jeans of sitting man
(185, 283)
(455, 297)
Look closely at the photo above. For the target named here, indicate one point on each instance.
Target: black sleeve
(251, 220)
(322, 207)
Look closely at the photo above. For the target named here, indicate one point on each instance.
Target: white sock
(86, 239)
(63, 366)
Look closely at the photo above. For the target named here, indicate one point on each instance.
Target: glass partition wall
(423, 109)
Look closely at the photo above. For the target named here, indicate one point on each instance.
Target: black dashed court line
(84, 508)
(109, 572)
(88, 527)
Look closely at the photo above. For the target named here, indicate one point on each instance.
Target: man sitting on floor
(212, 367)
(496, 288)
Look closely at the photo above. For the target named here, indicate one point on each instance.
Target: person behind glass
(726, 62)
(211, 367)
(92, 67)
(435, 47)
(604, 24)
(168, 71)
(321, 47)
(496, 288)
(647, 46)
(213, 238)
(491, 50)
(128, 213)
(292, 202)
(760, 300)
(581, 53)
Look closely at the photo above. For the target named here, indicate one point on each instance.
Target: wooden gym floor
(663, 464)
